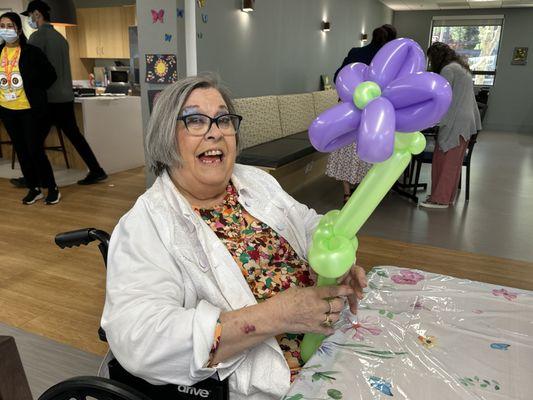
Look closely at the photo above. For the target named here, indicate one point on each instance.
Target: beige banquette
(274, 137)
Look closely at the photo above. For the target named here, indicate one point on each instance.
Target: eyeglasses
(200, 124)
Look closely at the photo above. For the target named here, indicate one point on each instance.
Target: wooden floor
(59, 293)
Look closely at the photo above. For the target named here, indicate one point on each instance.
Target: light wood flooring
(59, 293)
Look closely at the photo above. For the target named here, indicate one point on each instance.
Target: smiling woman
(207, 272)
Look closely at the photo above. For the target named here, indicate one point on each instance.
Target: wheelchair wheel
(91, 388)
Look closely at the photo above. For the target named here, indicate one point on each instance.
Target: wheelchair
(122, 385)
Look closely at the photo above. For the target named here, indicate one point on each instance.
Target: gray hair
(161, 142)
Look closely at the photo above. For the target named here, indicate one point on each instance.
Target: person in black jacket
(25, 75)
(380, 36)
(344, 164)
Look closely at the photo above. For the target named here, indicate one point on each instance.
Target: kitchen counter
(113, 128)
(112, 125)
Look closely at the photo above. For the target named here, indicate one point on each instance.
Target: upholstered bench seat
(277, 153)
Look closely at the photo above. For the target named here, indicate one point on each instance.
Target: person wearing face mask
(60, 94)
(25, 75)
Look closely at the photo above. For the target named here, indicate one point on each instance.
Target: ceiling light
(247, 6)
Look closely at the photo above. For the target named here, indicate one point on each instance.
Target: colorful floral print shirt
(267, 261)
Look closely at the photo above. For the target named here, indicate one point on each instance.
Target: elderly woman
(207, 272)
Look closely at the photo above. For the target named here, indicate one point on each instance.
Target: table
(427, 336)
(13, 382)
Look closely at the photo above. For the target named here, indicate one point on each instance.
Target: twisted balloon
(382, 106)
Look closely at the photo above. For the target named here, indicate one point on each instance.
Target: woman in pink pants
(455, 129)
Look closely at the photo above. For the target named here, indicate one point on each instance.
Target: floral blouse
(267, 261)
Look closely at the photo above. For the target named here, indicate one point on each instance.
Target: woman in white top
(455, 129)
(207, 273)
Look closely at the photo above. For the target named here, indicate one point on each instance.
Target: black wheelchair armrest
(81, 236)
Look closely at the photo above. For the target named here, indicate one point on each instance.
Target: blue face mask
(9, 35)
(32, 24)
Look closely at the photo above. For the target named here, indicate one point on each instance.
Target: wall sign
(161, 68)
(519, 56)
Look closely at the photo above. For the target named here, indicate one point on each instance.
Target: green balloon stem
(310, 344)
(364, 201)
(323, 281)
(376, 185)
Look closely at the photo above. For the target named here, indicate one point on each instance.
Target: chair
(123, 385)
(426, 157)
(61, 147)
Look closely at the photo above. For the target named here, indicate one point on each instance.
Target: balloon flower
(383, 106)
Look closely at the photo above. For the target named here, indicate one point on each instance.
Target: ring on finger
(330, 300)
(327, 321)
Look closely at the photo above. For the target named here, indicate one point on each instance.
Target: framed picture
(161, 68)
(519, 56)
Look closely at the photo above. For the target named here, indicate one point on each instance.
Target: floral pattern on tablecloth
(421, 335)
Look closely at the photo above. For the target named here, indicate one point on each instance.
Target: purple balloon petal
(376, 132)
(348, 79)
(396, 59)
(420, 100)
(335, 127)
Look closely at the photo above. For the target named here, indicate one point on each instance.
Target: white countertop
(101, 98)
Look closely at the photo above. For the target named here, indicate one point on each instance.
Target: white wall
(280, 48)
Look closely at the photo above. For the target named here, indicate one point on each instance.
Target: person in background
(25, 75)
(455, 129)
(344, 164)
(60, 94)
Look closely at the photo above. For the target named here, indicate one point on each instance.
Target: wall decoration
(204, 18)
(168, 37)
(201, 3)
(181, 12)
(325, 82)
(158, 16)
(152, 98)
(519, 56)
(161, 68)
(200, 35)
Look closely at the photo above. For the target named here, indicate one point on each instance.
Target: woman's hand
(356, 279)
(302, 310)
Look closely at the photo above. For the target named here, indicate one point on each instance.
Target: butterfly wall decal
(158, 16)
(204, 18)
(201, 3)
(181, 12)
(168, 37)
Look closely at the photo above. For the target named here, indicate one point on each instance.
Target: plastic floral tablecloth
(424, 336)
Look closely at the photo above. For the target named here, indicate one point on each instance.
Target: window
(475, 38)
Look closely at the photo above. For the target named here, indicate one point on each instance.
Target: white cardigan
(169, 277)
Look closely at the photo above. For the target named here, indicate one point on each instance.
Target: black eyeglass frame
(211, 121)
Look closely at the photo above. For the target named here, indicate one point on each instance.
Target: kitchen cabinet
(103, 32)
